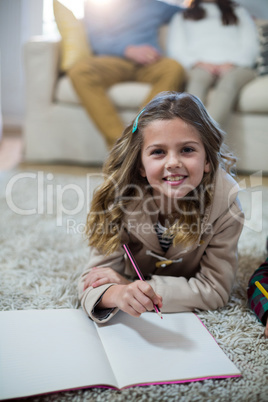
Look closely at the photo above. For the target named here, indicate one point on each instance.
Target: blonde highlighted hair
(122, 171)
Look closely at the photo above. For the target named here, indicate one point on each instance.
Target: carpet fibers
(43, 251)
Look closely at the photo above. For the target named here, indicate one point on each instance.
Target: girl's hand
(102, 275)
(215, 69)
(211, 68)
(224, 68)
(266, 327)
(134, 299)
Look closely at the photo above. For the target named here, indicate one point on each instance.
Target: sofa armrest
(41, 64)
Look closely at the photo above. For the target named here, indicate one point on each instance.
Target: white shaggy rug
(42, 253)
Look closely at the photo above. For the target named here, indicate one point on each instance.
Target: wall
(257, 8)
(19, 19)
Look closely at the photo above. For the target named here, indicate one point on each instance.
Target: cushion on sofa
(129, 95)
(65, 92)
(125, 95)
(74, 44)
(253, 97)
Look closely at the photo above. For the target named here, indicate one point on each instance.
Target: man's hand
(134, 299)
(142, 54)
(102, 275)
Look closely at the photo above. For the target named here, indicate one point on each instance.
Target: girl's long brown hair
(123, 179)
(196, 12)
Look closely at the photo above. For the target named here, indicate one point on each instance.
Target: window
(49, 24)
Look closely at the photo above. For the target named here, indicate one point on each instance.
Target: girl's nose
(173, 162)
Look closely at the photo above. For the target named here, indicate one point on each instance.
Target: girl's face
(173, 158)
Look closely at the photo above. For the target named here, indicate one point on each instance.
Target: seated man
(124, 38)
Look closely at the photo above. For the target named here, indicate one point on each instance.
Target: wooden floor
(11, 157)
(10, 150)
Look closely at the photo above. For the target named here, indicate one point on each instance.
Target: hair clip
(135, 125)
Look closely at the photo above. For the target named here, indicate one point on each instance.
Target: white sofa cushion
(125, 95)
(253, 97)
(65, 93)
(129, 95)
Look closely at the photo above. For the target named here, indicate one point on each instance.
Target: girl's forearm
(107, 300)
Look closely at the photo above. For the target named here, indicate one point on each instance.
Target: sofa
(58, 129)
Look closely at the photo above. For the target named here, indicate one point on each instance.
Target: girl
(217, 42)
(168, 196)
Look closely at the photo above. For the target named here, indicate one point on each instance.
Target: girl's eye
(157, 152)
(188, 150)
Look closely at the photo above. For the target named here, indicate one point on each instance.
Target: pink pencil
(139, 273)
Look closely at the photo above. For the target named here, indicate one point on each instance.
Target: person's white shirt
(208, 40)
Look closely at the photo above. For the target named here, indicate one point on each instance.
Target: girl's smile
(173, 158)
(174, 180)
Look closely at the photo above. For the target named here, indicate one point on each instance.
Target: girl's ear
(142, 172)
(207, 167)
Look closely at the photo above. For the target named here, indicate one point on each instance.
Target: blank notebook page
(148, 349)
(47, 350)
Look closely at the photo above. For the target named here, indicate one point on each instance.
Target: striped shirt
(165, 241)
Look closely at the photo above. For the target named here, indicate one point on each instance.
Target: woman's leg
(199, 82)
(224, 95)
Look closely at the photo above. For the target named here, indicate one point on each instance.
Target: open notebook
(43, 351)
